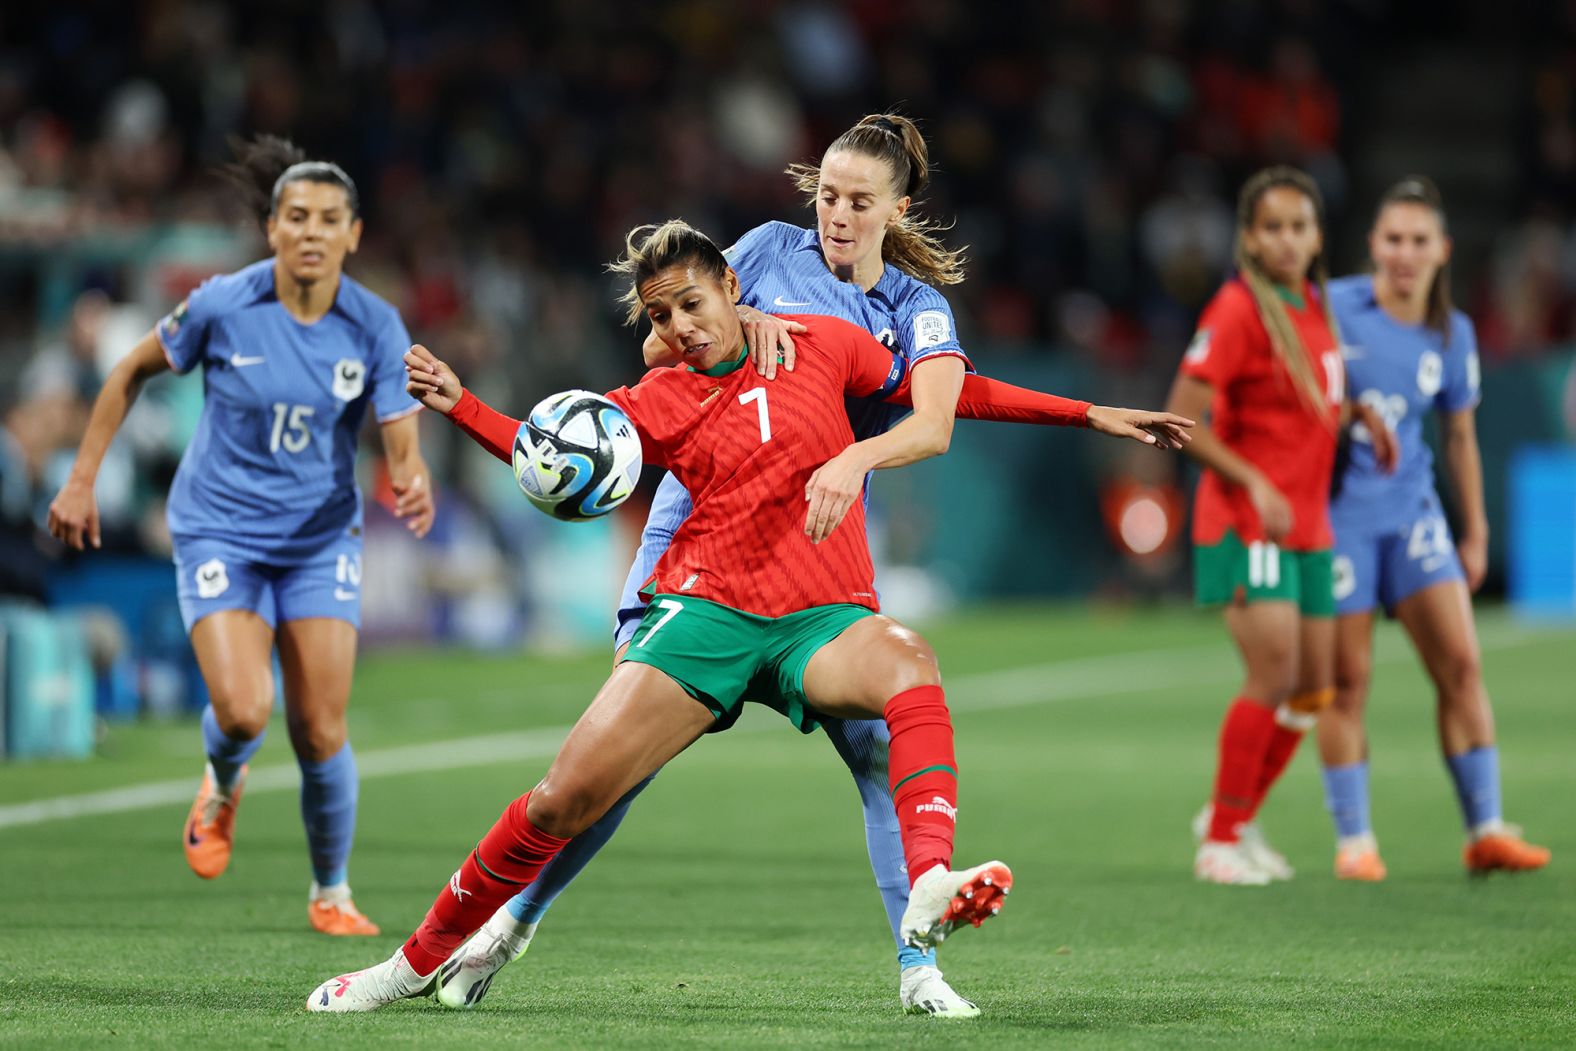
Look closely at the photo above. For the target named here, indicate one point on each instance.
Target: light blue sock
(1476, 777)
(532, 903)
(226, 754)
(863, 745)
(1346, 797)
(328, 810)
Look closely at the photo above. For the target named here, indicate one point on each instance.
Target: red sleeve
(1226, 332)
(983, 398)
(872, 368)
(645, 406)
(488, 427)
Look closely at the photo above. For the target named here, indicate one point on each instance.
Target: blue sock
(225, 753)
(328, 810)
(532, 903)
(1346, 797)
(863, 745)
(1476, 776)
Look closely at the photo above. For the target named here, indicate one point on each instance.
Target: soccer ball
(576, 456)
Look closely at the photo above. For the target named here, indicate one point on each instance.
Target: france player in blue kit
(1407, 354)
(264, 510)
(869, 262)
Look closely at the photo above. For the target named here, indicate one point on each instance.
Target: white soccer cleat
(1266, 857)
(924, 992)
(465, 976)
(941, 899)
(368, 990)
(1228, 864)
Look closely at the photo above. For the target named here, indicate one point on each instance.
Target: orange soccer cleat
(339, 917)
(1359, 863)
(210, 827)
(1503, 851)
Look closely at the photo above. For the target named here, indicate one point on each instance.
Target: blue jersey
(1402, 372)
(271, 467)
(781, 271)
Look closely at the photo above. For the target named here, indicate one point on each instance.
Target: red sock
(509, 856)
(1278, 751)
(1244, 735)
(924, 777)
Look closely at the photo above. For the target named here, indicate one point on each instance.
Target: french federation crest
(350, 378)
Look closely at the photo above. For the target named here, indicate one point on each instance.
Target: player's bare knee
(1458, 674)
(241, 712)
(563, 807)
(317, 739)
(910, 661)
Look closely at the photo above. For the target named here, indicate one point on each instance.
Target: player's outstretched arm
(435, 385)
(984, 398)
(73, 514)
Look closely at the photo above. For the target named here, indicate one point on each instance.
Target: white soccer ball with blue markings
(577, 456)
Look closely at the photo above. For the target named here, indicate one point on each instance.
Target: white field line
(1139, 671)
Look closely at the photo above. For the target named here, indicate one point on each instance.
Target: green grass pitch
(736, 907)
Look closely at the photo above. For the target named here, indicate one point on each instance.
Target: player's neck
(866, 273)
(307, 302)
(1406, 310)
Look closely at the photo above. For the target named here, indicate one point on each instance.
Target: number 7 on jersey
(758, 396)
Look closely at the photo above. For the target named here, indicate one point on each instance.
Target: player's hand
(769, 340)
(830, 492)
(1163, 430)
(656, 353)
(1387, 449)
(413, 502)
(430, 381)
(1273, 508)
(73, 515)
(1473, 552)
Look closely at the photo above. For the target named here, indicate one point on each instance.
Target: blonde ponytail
(1284, 339)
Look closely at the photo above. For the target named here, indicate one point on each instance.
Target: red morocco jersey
(1260, 413)
(745, 448)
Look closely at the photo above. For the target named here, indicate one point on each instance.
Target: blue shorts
(1375, 567)
(211, 576)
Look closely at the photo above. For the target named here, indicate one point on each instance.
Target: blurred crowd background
(1088, 152)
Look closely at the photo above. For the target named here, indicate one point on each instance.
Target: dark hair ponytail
(265, 164)
(1420, 190)
(910, 244)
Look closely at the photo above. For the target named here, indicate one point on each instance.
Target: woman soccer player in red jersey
(753, 595)
(870, 259)
(1411, 355)
(1266, 365)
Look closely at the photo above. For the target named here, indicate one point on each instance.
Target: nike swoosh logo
(344, 596)
(191, 834)
(779, 302)
(239, 362)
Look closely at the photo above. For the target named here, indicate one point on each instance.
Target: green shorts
(722, 656)
(1264, 572)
